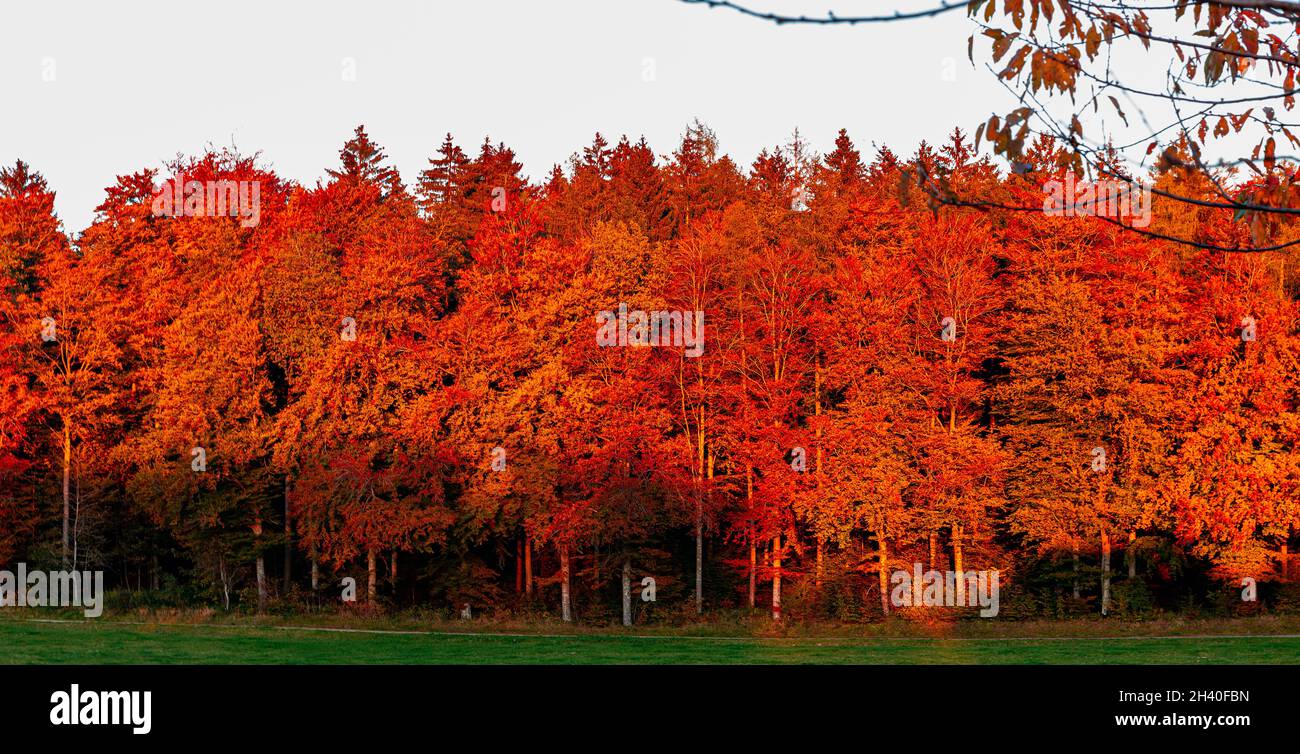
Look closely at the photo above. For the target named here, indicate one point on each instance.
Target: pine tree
(442, 183)
(362, 161)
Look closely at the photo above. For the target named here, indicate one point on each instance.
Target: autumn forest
(404, 380)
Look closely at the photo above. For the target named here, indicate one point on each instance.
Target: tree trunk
(261, 567)
(288, 540)
(565, 608)
(817, 573)
(76, 518)
(957, 564)
(776, 577)
(817, 411)
(225, 581)
(705, 467)
(627, 592)
(882, 569)
(699, 555)
(1105, 573)
(1131, 555)
(699, 540)
(1285, 562)
(1074, 554)
(753, 547)
(393, 576)
(67, 475)
(315, 570)
(528, 566)
(519, 566)
(370, 573)
(261, 583)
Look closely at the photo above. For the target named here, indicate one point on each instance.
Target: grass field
(115, 641)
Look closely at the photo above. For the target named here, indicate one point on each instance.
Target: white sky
(135, 83)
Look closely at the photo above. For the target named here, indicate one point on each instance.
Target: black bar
(581, 706)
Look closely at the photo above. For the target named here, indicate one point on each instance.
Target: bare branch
(830, 17)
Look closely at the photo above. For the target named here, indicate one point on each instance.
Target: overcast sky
(95, 89)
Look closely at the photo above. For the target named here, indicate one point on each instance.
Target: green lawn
(107, 642)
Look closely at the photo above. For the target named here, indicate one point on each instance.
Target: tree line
(406, 382)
